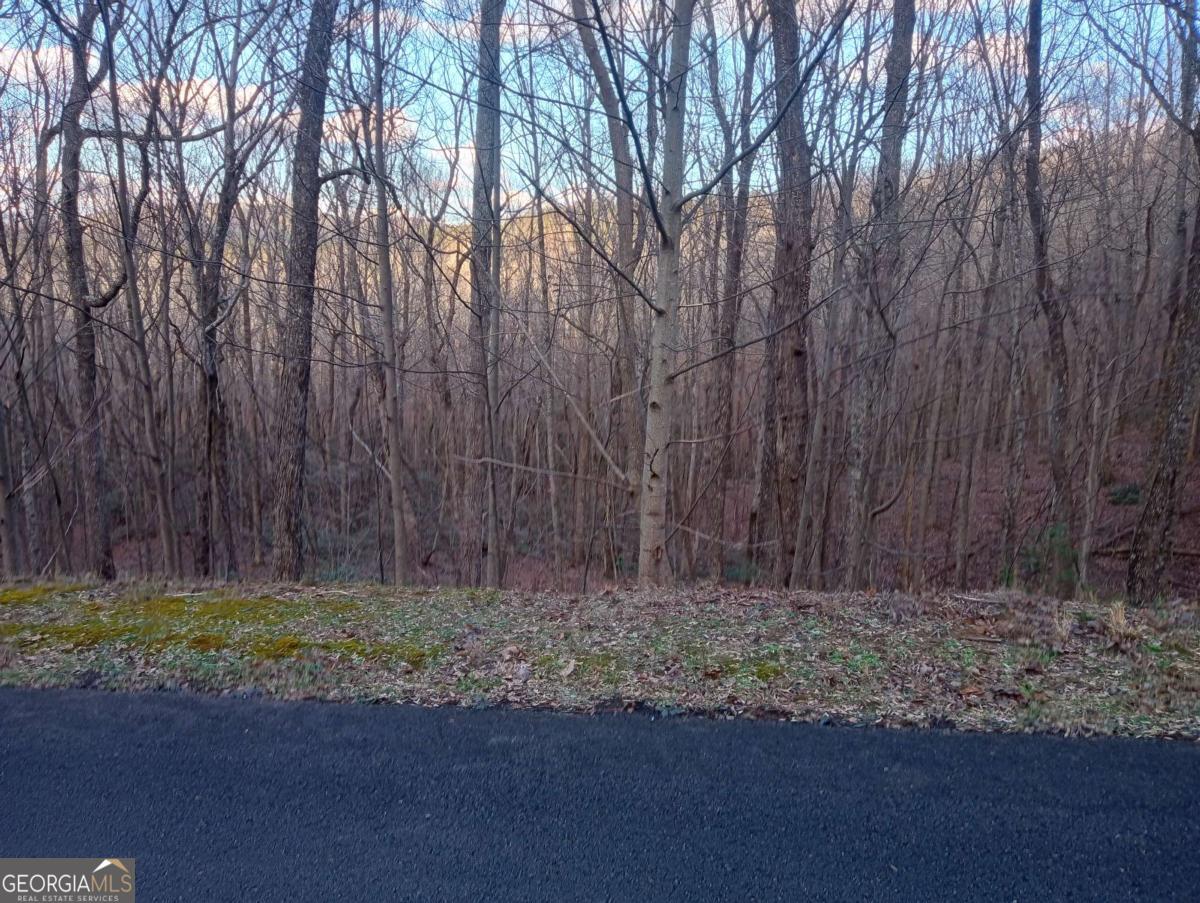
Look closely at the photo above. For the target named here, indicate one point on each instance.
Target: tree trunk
(485, 258)
(393, 413)
(1062, 505)
(1151, 547)
(12, 557)
(654, 566)
(880, 272)
(790, 284)
(128, 215)
(624, 379)
(296, 341)
(96, 486)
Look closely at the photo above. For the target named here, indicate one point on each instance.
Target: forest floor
(981, 661)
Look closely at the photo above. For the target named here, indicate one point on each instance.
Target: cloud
(28, 67)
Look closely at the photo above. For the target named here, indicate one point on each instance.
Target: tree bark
(296, 346)
(654, 565)
(485, 260)
(98, 519)
(1062, 504)
(393, 412)
(791, 276)
(880, 272)
(624, 376)
(1151, 547)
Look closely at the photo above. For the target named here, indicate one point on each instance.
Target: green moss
(418, 656)
(286, 646)
(767, 671)
(81, 635)
(246, 625)
(208, 642)
(154, 639)
(203, 610)
(42, 592)
(152, 636)
(21, 595)
(155, 620)
(354, 647)
(264, 610)
(161, 607)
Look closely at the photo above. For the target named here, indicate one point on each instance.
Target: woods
(858, 294)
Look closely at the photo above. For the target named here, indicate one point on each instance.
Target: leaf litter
(1002, 661)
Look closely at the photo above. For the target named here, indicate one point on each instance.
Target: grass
(999, 661)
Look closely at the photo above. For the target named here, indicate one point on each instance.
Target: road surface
(235, 799)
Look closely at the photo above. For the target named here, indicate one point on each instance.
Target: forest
(560, 294)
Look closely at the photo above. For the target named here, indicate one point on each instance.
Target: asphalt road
(227, 799)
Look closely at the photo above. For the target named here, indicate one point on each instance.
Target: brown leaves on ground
(992, 661)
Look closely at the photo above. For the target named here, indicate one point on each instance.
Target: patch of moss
(350, 647)
(208, 642)
(418, 656)
(80, 635)
(261, 610)
(768, 670)
(339, 606)
(25, 595)
(161, 607)
(286, 646)
(21, 595)
(156, 640)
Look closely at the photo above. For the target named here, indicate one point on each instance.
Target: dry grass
(999, 661)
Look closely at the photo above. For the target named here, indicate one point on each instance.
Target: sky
(431, 53)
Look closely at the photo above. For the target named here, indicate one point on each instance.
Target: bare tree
(654, 566)
(649, 333)
(292, 417)
(880, 273)
(1151, 546)
(80, 38)
(485, 270)
(1062, 500)
(393, 413)
(787, 348)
